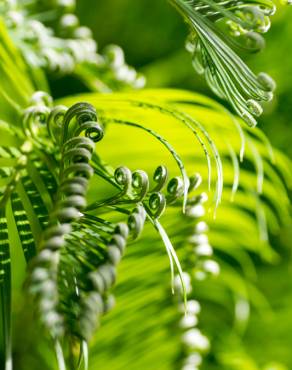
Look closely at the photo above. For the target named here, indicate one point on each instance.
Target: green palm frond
(34, 181)
(202, 191)
(249, 205)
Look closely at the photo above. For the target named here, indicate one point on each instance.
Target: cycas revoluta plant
(81, 177)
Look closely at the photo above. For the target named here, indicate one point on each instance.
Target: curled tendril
(195, 182)
(134, 188)
(157, 204)
(140, 185)
(241, 16)
(160, 177)
(136, 221)
(175, 189)
(34, 119)
(266, 81)
(75, 145)
(253, 41)
(76, 169)
(123, 177)
(83, 118)
(254, 18)
(55, 121)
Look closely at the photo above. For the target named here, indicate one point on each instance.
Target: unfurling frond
(89, 178)
(218, 29)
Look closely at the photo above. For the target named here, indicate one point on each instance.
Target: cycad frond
(217, 27)
(256, 217)
(73, 206)
(239, 231)
(45, 180)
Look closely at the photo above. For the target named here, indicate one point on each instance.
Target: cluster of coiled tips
(35, 118)
(241, 17)
(61, 44)
(200, 262)
(75, 173)
(134, 187)
(214, 53)
(58, 49)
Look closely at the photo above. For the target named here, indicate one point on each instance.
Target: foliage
(224, 71)
(72, 198)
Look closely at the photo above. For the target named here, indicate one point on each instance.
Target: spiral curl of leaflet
(247, 16)
(135, 188)
(36, 115)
